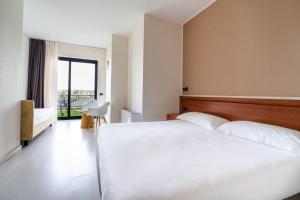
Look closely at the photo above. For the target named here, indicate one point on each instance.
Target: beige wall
(92, 53)
(13, 73)
(162, 68)
(244, 47)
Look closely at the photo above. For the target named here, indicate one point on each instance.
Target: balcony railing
(77, 100)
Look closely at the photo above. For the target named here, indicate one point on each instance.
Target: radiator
(129, 117)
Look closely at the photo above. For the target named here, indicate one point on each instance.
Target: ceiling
(91, 22)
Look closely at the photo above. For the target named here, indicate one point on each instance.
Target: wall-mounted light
(185, 89)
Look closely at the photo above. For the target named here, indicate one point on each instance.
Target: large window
(77, 85)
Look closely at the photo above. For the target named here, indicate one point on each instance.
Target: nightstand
(172, 116)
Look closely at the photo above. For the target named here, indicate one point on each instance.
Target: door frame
(78, 60)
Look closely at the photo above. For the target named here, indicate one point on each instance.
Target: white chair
(99, 112)
(91, 104)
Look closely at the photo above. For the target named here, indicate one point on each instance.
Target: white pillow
(275, 136)
(207, 121)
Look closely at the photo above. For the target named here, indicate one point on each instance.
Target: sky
(83, 76)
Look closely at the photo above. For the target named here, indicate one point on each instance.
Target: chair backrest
(104, 108)
(91, 104)
(98, 111)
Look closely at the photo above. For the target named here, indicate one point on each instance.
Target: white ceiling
(91, 22)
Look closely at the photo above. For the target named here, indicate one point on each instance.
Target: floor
(60, 164)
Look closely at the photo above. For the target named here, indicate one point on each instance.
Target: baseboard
(9, 155)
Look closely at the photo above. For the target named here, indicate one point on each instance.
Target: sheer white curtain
(50, 84)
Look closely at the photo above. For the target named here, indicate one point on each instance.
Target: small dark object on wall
(185, 89)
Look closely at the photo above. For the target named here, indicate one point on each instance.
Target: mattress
(43, 114)
(177, 160)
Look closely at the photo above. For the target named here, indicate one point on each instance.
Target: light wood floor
(59, 164)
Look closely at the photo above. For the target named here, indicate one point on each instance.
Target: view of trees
(78, 97)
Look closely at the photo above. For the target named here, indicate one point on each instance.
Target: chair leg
(104, 119)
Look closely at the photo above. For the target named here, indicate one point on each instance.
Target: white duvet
(43, 114)
(176, 160)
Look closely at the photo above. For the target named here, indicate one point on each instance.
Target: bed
(180, 160)
(34, 120)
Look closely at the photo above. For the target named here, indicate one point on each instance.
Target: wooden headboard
(285, 113)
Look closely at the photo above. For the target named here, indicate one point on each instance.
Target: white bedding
(43, 114)
(176, 160)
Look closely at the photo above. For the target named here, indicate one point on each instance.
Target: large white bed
(221, 149)
(176, 160)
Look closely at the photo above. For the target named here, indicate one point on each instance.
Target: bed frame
(280, 112)
(29, 130)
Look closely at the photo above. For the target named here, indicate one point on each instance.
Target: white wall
(25, 59)
(155, 68)
(108, 76)
(118, 70)
(91, 53)
(162, 68)
(13, 73)
(135, 68)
